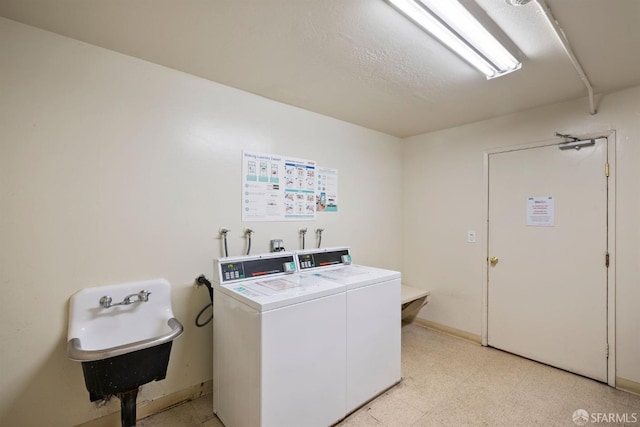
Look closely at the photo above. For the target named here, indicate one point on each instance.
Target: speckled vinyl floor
(451, 382)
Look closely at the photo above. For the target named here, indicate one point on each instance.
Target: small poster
(277, 188)
(541, 211)
(327, 190)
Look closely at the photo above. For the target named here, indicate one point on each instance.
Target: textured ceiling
(358, 60)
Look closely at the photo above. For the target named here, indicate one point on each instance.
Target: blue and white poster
(277, 188)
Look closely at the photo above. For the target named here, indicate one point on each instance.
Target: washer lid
(355, 276)
(271, 293)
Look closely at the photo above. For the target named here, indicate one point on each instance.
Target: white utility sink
(113, 320)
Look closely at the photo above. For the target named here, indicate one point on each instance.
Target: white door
(547, 244)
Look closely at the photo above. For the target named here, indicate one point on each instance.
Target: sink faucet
(142, 296)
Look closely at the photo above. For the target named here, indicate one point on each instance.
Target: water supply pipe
(567, 48)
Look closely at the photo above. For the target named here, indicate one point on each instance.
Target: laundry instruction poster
(327, 190)
(277, 188)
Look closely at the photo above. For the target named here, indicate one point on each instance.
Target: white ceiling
(358, 60)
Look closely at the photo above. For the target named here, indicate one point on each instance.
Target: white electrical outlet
(471, 236)
(277, 245)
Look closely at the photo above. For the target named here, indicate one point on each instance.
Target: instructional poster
(327, 190)
(541, 211)
(277, 188)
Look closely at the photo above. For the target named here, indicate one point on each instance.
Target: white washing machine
(373, 320)
(279, 344)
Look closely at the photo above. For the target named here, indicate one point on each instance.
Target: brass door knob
(493, 260)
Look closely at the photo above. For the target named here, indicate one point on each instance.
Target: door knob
(493, 260)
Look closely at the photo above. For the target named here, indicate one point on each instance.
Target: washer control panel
(233, 269)
(323, 258)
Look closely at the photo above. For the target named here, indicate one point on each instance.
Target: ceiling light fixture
(454, 26)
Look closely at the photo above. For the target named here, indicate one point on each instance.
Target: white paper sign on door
(541, 211)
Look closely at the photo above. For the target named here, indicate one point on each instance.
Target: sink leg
(128, 407)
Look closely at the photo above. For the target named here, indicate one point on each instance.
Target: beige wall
(444, 197)
(114, 169)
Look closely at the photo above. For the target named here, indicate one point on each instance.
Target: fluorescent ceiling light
(454, 26)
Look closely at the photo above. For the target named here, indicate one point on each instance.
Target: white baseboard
(628, 385)
(448, 330)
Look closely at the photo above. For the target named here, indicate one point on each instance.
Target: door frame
(611, 240)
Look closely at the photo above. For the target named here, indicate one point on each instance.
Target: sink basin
(122, 334)
(97, 333)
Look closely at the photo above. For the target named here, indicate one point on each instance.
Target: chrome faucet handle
(144, 295)
(105, 301)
